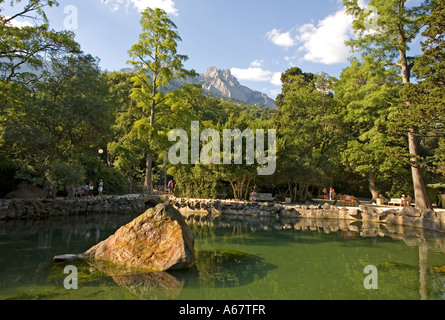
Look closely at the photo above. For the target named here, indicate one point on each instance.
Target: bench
(264, 197)
(347, 200)
(397, 202)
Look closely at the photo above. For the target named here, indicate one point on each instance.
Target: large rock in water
(158, 240)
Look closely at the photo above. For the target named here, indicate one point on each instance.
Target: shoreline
(39, 208)
(406, 216)
(42, 208)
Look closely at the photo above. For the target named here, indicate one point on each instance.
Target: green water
(249, 259)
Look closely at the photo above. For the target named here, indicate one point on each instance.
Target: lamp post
(100, 153)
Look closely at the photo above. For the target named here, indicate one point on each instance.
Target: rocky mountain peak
(225, 75)
(222, 82)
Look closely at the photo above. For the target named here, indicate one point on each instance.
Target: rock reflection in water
(214, 269)
(151, 286)
(146, 286)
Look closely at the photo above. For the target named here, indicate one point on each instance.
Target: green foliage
(306, 154)
(157, 63)
(25, 46)
(331, 132)
(427, 98)
(386, 44)
(62, 174)
(66, 113)
(381, 42)
(198, 181)
(368, 91)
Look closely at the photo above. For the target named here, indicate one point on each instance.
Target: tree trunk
(247, 193)
(235, 189)
(148, 184)
(301, 187)
(130, 182)
(372, 187)
(153, 102)
(305, 192)
(420, 194)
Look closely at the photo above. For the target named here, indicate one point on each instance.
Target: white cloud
(274, 92)
(276, 79)
(257, 63)
(167, 5)
(281, 39)
(19, 24)
(257, 74)
(325, 43)
(320, 43)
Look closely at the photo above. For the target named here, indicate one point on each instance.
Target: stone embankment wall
(40, 208)
(408, 216)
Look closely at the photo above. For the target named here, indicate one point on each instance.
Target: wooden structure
(347, 200)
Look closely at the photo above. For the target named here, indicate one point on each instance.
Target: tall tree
(67, 114)
(428, 94)
(124, 150)
(367, 91)
(388, 44)
(307, 102)
(157, 63)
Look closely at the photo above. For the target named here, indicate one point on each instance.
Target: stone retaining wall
(40, 208)
(408, 216)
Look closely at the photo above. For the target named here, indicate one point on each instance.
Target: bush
(197, 182)
(114, 181)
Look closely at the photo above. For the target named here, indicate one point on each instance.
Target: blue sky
(256, 39)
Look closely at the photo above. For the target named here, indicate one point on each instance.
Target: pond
(237, 259)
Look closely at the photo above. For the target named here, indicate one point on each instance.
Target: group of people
(87, 189)
(405, 200)
(329, 195)
(49, 191)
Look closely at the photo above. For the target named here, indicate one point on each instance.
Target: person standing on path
(331, 193)
(91, 189)
(101, 187)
